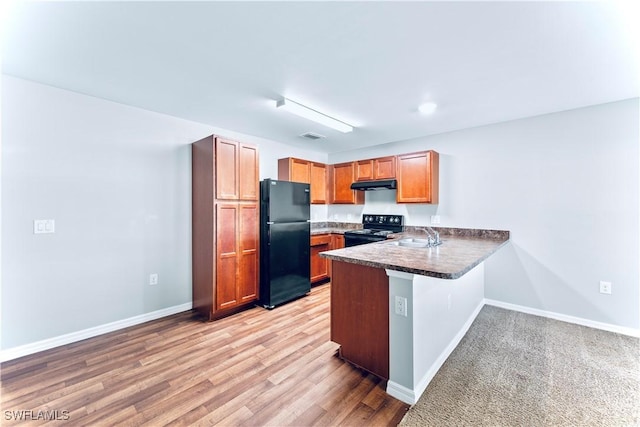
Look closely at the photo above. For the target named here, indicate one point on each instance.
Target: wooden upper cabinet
(341, 177)
(417, 176)
(319, 183)
(249, 170)
(237, 170)
(384, 167)
(226, 170)
(372, 169)
(296, 170)
(364, 170)
(313, 173)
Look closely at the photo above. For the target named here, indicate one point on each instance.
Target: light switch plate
(43, 226)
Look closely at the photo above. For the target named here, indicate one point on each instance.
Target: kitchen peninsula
(399, 312)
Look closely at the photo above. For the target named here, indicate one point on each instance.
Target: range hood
(381, 184)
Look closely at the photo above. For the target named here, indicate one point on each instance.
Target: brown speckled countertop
(457, 255)
(333, 227)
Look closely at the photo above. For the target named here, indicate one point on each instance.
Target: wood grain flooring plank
(220, 409)
(310, 416)
(258, 367)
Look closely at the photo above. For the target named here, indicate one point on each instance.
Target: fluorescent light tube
(308, 113)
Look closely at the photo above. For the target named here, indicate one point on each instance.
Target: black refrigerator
(284, 241)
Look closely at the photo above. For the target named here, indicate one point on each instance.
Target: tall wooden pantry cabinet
(225, 226)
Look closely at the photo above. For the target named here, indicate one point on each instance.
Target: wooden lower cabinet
(337, 241)
(237, 254)
(319, 265)
(360, 315)
(226, 255)
(248, 245)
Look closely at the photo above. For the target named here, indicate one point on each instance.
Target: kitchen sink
(413, 243)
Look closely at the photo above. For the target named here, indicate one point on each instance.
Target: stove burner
(361, 231)
(375, 228)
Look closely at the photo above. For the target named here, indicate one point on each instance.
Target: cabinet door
(227, 169)
(342, 176)
(226, 255)
(337, 241)
(248, 277)
(318, 183)
(364, 170)
(384, 167)
(296, 170)
(249, 174)
(418, 178)
(300, 171)
(319, 265)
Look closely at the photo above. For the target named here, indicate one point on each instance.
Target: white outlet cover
(44, 226)
(401, 306)
(435, 219)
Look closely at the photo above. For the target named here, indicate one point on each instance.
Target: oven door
(359, 239)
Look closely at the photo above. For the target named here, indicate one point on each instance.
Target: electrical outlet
(153, 279)
(401, 306)
(449, 302)
(435, 219)
(605, 287)
(42, 226)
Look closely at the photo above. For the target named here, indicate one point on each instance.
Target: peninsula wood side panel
(360, 315)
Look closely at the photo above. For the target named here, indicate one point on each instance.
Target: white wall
(117, 181)
(567, 187)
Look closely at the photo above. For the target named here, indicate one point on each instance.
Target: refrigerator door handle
(270, 222)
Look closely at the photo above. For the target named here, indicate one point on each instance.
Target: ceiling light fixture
(428, 108)
(308, 113)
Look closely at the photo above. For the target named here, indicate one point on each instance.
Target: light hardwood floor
(255, 368)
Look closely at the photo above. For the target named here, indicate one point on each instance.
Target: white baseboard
(565, 318)
(27, 349)
(410, 396)
(402, 393)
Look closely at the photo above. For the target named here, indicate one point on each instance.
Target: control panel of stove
(397, 220)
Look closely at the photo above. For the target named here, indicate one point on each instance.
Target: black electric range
(374, 229)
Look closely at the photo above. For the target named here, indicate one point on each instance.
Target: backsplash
(377, 202)
(461, 232)
(315, 225)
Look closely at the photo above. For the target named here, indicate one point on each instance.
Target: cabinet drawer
(320, 239)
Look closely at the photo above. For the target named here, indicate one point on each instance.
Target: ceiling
(370, 64)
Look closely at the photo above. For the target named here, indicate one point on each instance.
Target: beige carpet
(515, 369)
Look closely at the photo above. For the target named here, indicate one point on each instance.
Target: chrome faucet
(433, 237)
